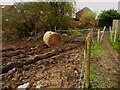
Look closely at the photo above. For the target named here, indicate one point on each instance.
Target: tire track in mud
(61, 70)
(17, 55)
(25, 61)
(18, 51)
(36, 58)
(66, 62)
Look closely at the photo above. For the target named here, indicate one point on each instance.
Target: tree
(59, 15)
(109, 15)
(88, 19)
(106, 17)
(32, 16)
(29, 17)
(38, 16)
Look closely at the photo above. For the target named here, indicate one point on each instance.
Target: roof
(85, 9)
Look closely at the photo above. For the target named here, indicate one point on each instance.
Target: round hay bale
(52, 39)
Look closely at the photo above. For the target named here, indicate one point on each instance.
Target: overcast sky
(95, 5)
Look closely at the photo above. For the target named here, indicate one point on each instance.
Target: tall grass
(115, 45)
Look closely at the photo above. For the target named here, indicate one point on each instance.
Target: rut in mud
(35, 63)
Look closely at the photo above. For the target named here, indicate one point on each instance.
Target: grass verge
(115, 45)
(96, 49)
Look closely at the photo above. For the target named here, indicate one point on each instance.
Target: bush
(10, 34)
(106, 17)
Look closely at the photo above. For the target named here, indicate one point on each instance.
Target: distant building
(82, 11)
(119, 6)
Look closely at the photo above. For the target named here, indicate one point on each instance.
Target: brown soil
(61, 70)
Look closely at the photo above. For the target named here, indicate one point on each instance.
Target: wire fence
(86, 35)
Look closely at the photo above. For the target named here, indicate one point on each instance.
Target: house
(82, 11)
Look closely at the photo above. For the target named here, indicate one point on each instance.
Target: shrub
(10, 34)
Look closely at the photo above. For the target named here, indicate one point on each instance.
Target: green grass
(96, 48)
(93, 82)
(115, 45)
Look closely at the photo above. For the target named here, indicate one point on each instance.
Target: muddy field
(35, 63)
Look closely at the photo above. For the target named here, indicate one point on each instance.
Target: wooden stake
(88, 49)
(110, 33)
(115, 36)
(102, 34)
(98, 36)
(92, 35)
(116, 30)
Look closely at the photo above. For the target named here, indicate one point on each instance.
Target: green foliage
(30, 16)
(37, 16)
(97, 47)
(10, 34)
(87, 16)
(93, 83)
(109, 14)
(88, 19)
(60, 14)
(106, 17)
(115, 45)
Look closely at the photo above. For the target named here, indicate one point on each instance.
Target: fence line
(87, 58)
(85, 71)
(100, 34)
(115, 35)
(82, 74)
(101, 38)
(75, 30)
(110, 30)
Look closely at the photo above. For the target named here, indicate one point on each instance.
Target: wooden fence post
(110, 33)
(115, 32)
(98, 35)
(92, 35)
(115, 35)
(102, 34)
(87, 69)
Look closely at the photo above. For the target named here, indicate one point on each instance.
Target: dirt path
(106, 65)
(114, 58)
(107, 44)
